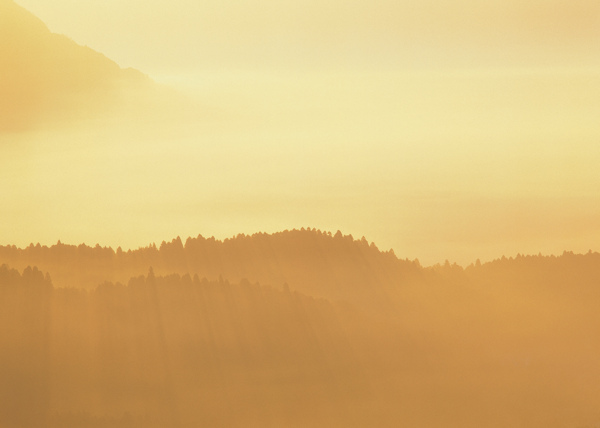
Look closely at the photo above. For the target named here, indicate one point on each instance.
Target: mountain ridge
(318, 263)
(336, 267)
(177, 350)
(47, 78)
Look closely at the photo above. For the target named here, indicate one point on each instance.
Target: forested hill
(317, 263)
(169, 351)
(180, 350)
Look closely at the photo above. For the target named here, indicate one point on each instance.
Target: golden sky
(168, 36)
(444, 130)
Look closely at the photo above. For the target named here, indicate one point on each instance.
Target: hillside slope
(508, 343)
(46, 78)
(317, 263)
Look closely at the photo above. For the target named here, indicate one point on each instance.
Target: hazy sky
(169, 36)
(442, 129)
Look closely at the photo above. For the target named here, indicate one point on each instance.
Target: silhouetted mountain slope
(47, 77)
(507, 343)
(550, 271)
(319, 264)
(176, 349)
(313, 262)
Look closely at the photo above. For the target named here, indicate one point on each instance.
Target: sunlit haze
(444, 130)
(291, 214)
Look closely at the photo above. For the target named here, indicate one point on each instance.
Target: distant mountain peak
(47, 77)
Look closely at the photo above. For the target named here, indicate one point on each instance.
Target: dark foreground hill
(168, 351)
(506, 343)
